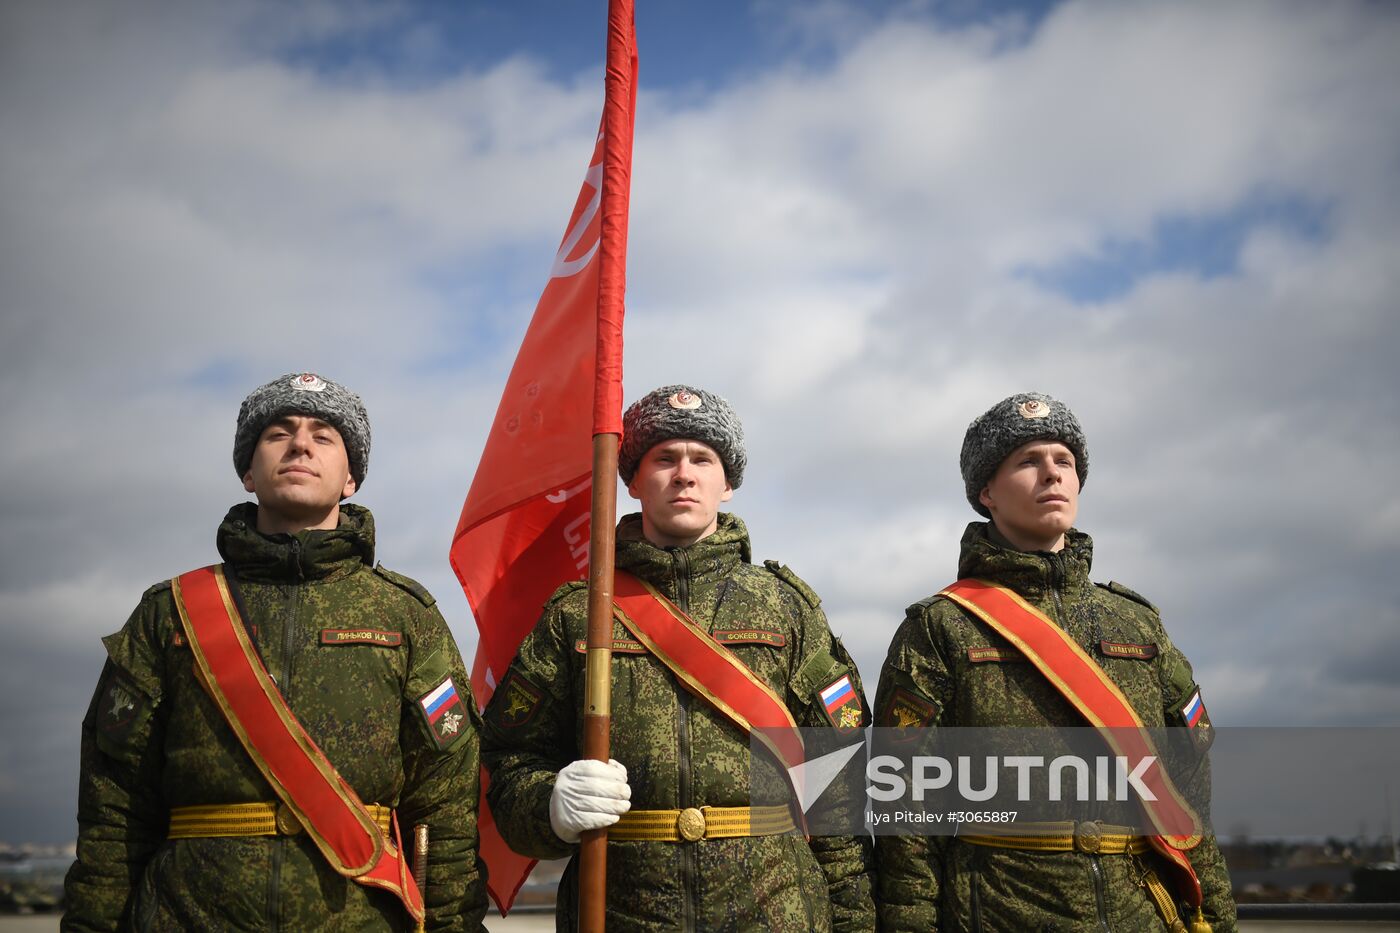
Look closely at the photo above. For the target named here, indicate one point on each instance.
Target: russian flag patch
(841, 703)
(442, 707)
(1193, 710)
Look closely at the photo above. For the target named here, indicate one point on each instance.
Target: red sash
(228, 666)
(706, 667)
(1080, 679)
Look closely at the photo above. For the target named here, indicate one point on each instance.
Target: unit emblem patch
(120, 708)
(907, 710)
(123, 704)
(518, 701)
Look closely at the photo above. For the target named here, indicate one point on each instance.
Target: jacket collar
(988, 556)
(292, 558)
(704, 563)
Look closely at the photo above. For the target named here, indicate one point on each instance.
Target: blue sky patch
(683, 45)
(1207, 245)
(680, 43)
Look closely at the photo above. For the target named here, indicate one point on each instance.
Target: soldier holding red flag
(706, 647)
(1024, 639)
(268, 733)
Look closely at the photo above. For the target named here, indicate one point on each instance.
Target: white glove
(588, 795)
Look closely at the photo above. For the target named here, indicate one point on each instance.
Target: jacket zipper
(688, 866)
(682, 579)
(289, 628)
(1057, 582)
(285, 688)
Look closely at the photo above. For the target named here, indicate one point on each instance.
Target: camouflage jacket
(936, 676)
(352, 648)
(677, 750)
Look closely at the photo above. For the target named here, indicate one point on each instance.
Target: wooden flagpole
(618, 108)
(593, 845)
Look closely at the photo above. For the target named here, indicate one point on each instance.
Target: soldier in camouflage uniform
(682, 454)
(1023, 463)
(353, 649)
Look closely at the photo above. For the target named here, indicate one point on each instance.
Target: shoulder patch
(906, 709)
(122, 705)
(1192, 714)
(407, 584)
(515, 702)
(782, 572)
(841, 702)
(119, 713)
(1115, 587)
(444, 712)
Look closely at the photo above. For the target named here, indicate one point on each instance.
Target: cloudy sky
(861, 222)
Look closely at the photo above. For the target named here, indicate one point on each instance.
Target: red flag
(525, 526)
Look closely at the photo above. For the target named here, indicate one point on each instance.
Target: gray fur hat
(682, 411)
(303, 394)
(1019, 419)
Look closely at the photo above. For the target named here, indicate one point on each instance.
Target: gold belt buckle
(1088, 838)
(691, 824)
(287, 822)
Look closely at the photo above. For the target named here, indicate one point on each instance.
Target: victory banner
(525, 527)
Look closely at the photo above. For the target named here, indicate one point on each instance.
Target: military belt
(695, 823)
(249, 819)
(1091, 838)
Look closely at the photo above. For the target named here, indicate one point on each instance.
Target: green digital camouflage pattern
(929, 679)
(677, 750)
(153, 740)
